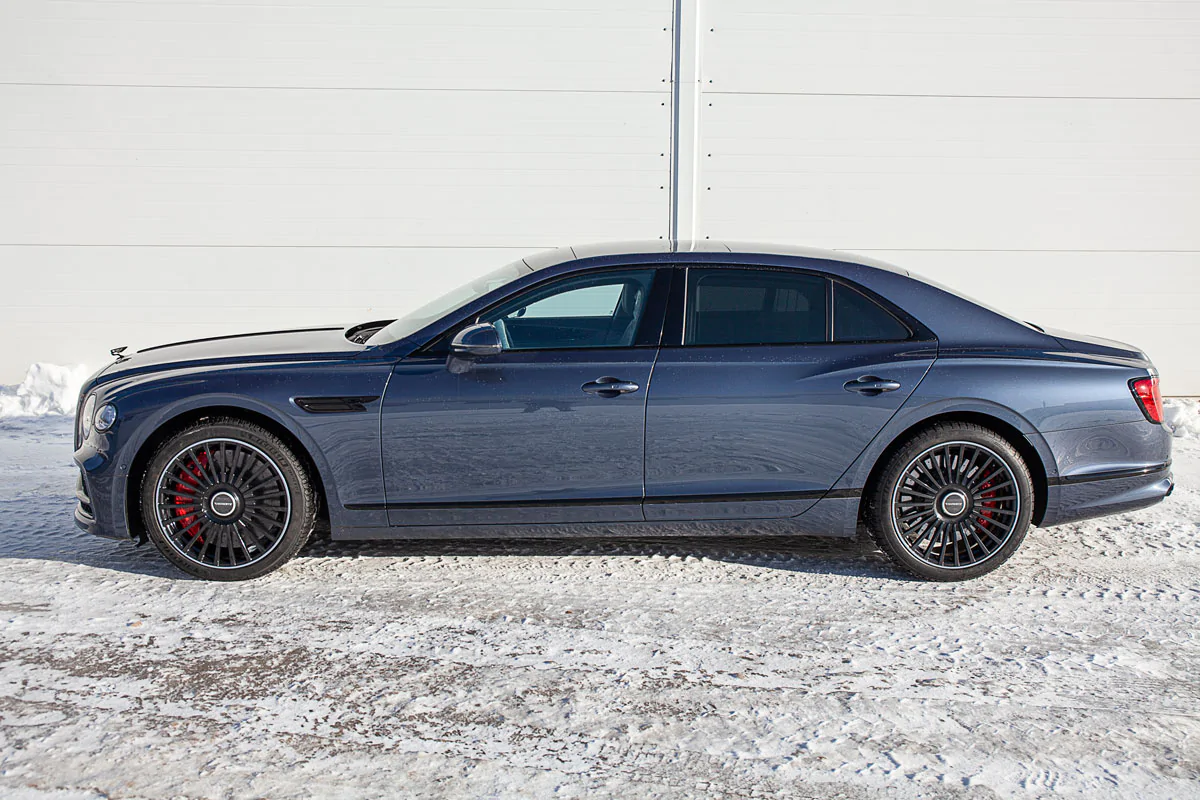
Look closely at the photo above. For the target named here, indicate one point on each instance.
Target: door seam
(646, 425)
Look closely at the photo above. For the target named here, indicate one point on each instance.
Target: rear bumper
(1101, 494)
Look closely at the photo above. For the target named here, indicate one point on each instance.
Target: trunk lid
(1106, 349)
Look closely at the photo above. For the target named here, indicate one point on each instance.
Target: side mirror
(477, 340)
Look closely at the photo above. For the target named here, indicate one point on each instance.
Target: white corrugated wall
(181, 168)
(173, 169)
(1041, 155)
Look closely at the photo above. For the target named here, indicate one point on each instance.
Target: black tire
(227, 500)
(953, 503)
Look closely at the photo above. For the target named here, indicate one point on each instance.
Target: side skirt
(834, 516)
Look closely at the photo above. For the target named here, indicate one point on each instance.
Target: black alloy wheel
(954, 503)
(227, 500)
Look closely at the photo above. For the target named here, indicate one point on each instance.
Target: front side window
(586, 311)
(857, 318)
(746, 307)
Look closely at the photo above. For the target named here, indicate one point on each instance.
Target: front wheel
(954, 503)
(227, 500)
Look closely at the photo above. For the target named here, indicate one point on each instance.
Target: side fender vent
(333, 405)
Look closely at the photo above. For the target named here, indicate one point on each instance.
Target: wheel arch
(185, 418)
(1006, 430)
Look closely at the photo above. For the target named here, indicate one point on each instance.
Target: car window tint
(857, 318)
(737, 306)
(598, 310)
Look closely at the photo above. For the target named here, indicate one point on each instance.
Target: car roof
(659, 247)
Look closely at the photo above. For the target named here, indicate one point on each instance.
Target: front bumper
(93, 513)
(85, 515)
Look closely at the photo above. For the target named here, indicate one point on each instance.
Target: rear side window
(742, 307)
(857, 318)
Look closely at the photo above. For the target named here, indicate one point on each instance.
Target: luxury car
(644, 389)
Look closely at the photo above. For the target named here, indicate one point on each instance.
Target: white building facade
(178, 169)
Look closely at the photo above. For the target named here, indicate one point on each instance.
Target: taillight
(1149, 398)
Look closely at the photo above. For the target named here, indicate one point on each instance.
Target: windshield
(434, 310)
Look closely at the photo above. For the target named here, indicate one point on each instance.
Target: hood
(313, 344)
(1098, 346)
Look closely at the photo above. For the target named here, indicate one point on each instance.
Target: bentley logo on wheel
(954, 503)
(223, 504)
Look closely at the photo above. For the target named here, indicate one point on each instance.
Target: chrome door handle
(871, 386)
(610, 387)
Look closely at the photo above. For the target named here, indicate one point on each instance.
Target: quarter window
(745, 307)
(598, 310)
(857, 318)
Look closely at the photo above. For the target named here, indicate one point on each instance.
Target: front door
(550, 430)
(771, 393)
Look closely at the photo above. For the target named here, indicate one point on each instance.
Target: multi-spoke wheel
(227, 500)
(953, 503)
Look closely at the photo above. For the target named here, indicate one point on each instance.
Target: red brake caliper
(186, 480)
(988, 505)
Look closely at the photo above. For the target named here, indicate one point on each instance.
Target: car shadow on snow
(58, 540)
(856, 557)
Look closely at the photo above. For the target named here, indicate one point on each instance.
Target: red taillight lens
(1149, 398)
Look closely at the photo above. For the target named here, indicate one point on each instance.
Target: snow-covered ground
(654, 668)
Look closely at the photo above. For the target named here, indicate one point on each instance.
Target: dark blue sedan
(634, 390)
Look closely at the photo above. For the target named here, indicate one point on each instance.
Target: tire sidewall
(295, 476)
(883, 524)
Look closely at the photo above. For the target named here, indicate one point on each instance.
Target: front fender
(128, 454)
(267, 392)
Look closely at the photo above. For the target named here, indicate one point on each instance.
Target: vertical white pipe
(685, 120)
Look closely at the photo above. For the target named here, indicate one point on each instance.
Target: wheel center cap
(223, 504)
(953, 503)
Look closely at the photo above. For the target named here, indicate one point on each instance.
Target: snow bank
(1182, 416)
(47, 389)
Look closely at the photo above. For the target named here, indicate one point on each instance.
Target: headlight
(89, 410)
(106, 417)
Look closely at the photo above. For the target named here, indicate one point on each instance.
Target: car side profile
(641, 389)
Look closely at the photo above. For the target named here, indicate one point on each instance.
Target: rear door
(773, 382)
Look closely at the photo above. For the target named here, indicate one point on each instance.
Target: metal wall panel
(120, 165)
(178, 168)
(1024, 48)
(618, 45)
(961, 173)
(1042, 155)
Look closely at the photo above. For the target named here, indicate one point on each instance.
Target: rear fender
(911, 418)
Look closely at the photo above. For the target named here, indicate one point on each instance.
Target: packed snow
(47, 389)
(1182, 416)
(656, 668)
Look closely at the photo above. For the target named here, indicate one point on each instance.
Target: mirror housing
(477, 340)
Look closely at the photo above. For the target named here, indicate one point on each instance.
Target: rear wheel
(227, 500)
(953, 503)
